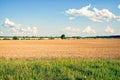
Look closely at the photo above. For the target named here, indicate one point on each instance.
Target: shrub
(27, 39)
(51, 38)
(41, 38)
(6, 39)
(78, 37)
(15, 38)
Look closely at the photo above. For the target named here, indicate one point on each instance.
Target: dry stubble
(83, 48)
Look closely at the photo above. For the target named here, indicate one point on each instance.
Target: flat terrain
(60, 69)
(87, 59)
(82, 48)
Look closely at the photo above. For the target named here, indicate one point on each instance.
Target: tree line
(63, 36)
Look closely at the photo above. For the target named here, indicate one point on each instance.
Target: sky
(56, 17)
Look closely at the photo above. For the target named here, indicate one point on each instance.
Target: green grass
(60, 69)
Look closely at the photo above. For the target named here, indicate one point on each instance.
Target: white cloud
(10, 23)
(109, 29)
(89, 30)
(17, 29)
(1, 32)
(119, 6)
(30, 29)
(71, 31)
(95, 15)
(71, 18)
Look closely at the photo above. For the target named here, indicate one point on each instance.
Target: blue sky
(55, 17)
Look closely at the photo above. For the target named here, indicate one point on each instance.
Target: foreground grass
(60, 69)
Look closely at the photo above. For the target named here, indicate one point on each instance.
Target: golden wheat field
(82, 48)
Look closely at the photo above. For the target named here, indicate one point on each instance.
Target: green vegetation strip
(60, 69)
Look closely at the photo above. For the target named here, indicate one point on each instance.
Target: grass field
(60, 69)
(84, 59)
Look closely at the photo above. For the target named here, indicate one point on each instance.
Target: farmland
(81, 59)
(83, 48)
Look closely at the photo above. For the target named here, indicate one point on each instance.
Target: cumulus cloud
(10, 23)
(71, 18)
(18, 29)
(95, 15)
(71, 31)
(109, 29)
(1, 32)
(119, 6)
(89, 30)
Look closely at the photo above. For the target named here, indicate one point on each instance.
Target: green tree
(63, 36)
(15, 38)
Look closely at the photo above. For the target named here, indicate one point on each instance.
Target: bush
(27, 39)
(6, 39)
(15, 38)
(41, 38)
(51, 38)
(78, 37)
